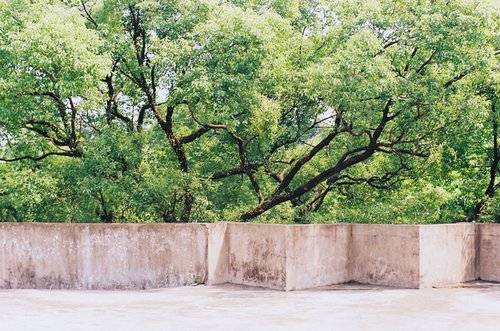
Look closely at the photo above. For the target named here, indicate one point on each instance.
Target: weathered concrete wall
(99, 256)
(385, 255)
(285, 257)
(257, 255)
(317, 255)
(279, 256)
(489, 252)
(448, 254)
(218, 254)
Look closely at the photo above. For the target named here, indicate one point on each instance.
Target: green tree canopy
(290, 110)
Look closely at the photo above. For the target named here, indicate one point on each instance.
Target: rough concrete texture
(257, 255)
(489, 252)
(385, 255)
(234, 308)
(279, 256)
(448, 254)
(317, 255)
(218, 254)
(284, 257)
(99, 256)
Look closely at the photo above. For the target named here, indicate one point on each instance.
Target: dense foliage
(268, 110)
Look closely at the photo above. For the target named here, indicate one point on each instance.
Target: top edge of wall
(242, 223)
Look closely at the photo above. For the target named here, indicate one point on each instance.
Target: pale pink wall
(285, 257)
(448, 254)
(317, 255)
(489, 252)
(218, 254)
(257, 255)
(100, 256)
(385, 255)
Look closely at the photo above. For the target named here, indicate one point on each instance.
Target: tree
(492, 183)
(191, 109)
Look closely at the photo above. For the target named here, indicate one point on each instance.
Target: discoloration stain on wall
(257, 255)
(285, 257)
(385, 255)
(102, 256)
(489, 252)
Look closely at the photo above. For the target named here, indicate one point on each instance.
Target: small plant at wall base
(270, 111)
(197, 280)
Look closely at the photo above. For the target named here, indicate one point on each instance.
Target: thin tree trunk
(490, 190)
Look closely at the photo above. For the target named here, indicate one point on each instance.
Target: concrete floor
(239, 308)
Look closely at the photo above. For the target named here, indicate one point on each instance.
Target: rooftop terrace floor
(473, 306)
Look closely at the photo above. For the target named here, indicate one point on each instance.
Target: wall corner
(217, 253)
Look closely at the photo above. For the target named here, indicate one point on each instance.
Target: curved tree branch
(41, 157)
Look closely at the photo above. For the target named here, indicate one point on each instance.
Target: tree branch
(43, 156)
(87, 14)
(426, 63)
(454, 79)
(348, 159)
(234, 171)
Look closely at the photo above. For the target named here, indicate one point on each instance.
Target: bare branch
(426, 63)
(407, 66)
(454, 79)
(87, 14)
(234, 171)
(39, 158)
(302, 161)
(245, 164)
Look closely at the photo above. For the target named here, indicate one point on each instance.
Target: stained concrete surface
(101, 256)
(284, 257)
(230, 307)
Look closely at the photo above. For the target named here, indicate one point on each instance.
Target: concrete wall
(285, 257)
(218, 254)
(99, 256)
(385, 255)
(257, 255)
(448, 254)
(489, 252)
(404, 256)
(317, 255)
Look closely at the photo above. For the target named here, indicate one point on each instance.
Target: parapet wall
(449, 254)
(284, 257)
(101, 256)
(317, 255)
(384, 254)
(489, 252)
